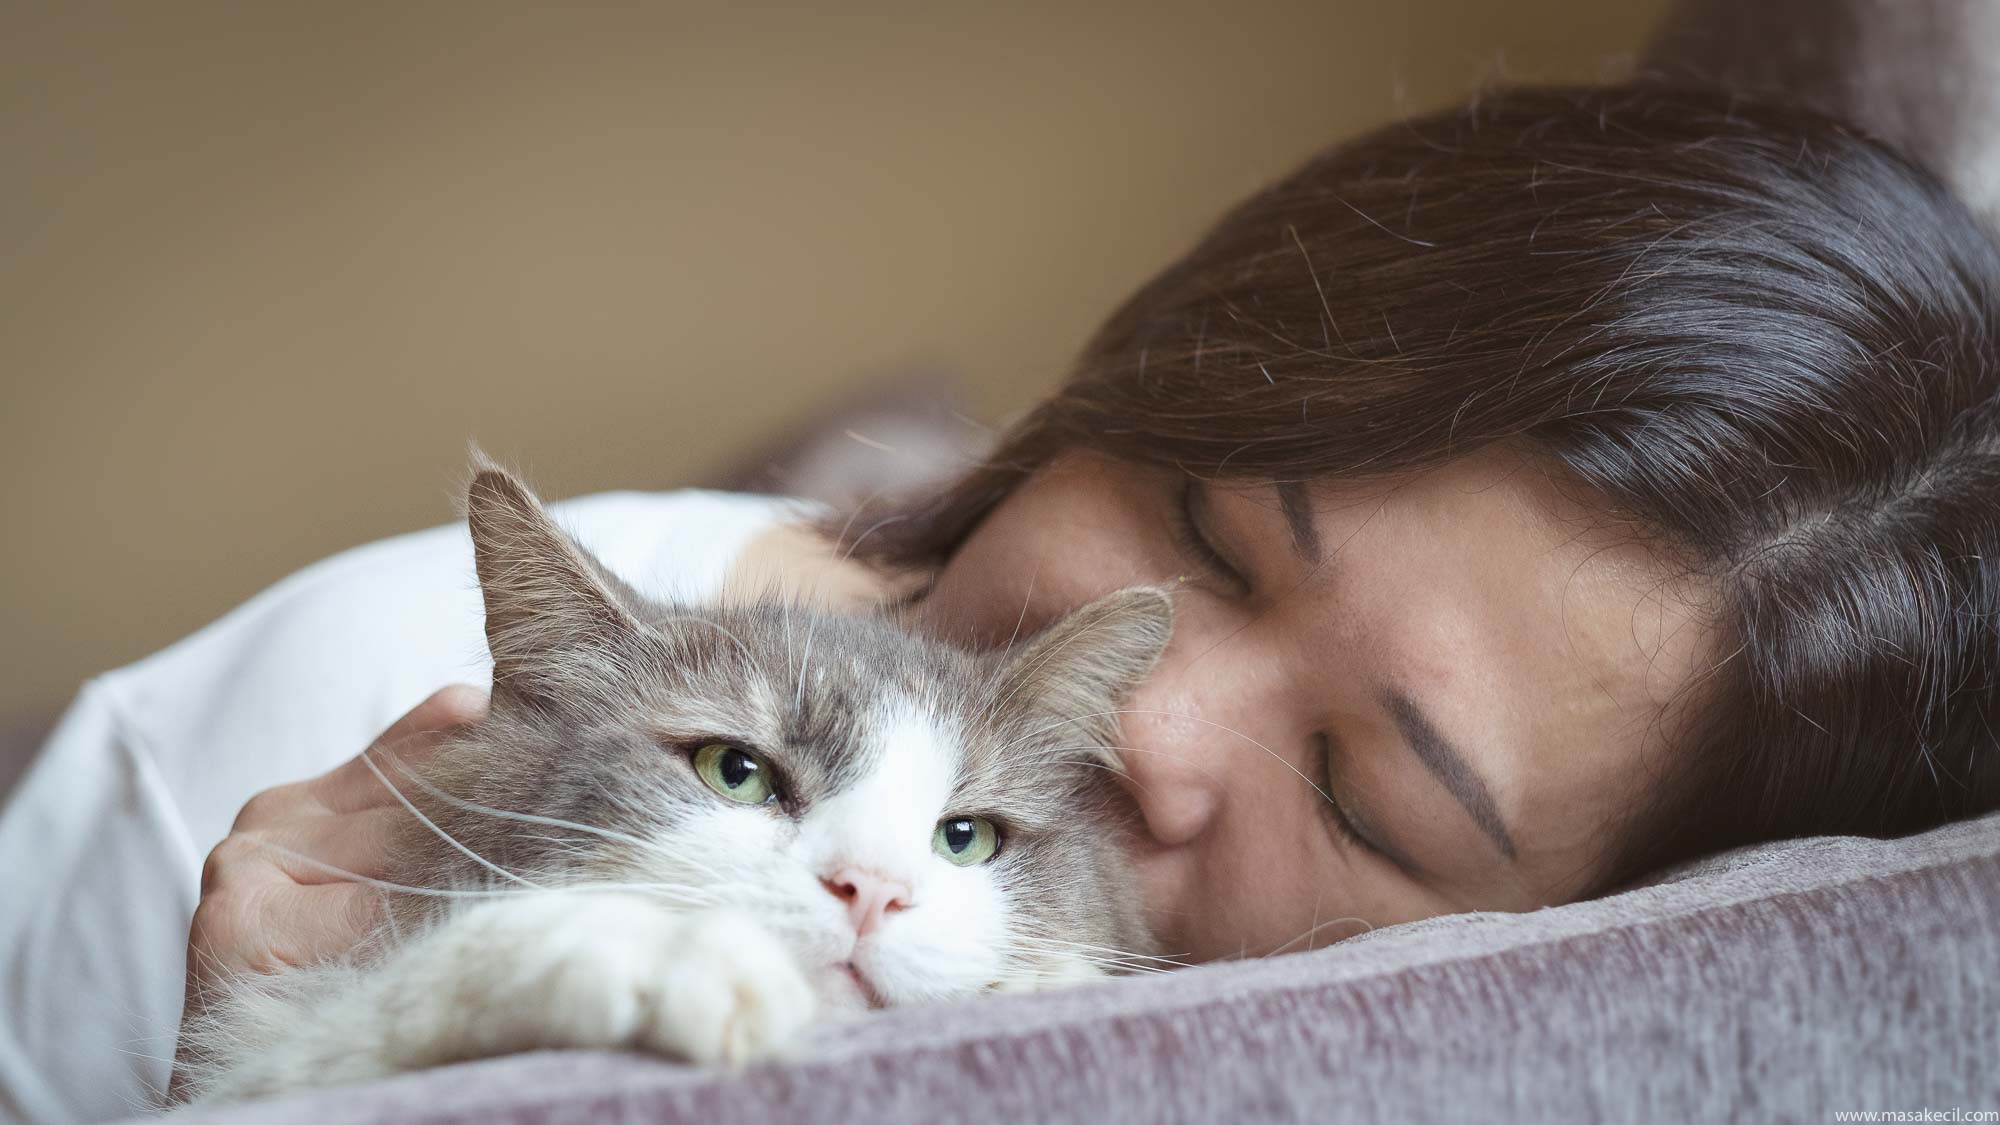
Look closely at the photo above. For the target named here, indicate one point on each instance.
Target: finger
(322, 922)
(277, 805)
(264, 933)
(412, 739)
(278, 927)
(306, 850)
(453, 705)
(373, 779)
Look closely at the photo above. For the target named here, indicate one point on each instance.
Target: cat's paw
(599, 971)
(531, 972)
(730, 992)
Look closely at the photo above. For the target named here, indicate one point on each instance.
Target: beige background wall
(264, 268)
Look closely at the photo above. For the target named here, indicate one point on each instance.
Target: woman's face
(1381, 702)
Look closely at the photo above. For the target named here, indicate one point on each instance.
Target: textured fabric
(1785, 982)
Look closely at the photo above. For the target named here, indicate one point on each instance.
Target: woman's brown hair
(1763, 340)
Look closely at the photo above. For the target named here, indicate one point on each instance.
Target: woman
(1563, 486)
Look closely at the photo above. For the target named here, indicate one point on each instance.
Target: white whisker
(671, 891)
(507, 814)
(367, 759)
(1317, 926)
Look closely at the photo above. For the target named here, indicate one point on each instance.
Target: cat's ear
(553, 613)
(1083, 666)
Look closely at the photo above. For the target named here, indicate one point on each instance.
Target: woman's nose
(1176, 802)
(1165, 734)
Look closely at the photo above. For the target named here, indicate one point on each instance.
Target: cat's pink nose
(868, 896)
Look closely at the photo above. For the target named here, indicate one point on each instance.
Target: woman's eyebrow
(1448, 765)
(1299, 517)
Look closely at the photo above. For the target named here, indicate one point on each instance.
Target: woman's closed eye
(1197, 542)
(1343, 822)
(1203, 542)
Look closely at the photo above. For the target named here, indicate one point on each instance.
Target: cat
(701, 831)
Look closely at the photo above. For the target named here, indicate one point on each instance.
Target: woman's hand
(276, 892)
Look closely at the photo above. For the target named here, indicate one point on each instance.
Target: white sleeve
(101, 879)
(101, 844)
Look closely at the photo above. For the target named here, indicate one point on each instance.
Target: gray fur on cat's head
(602, 699)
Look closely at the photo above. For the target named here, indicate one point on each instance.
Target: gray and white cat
(699, 831)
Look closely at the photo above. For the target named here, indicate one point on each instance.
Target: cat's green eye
(966, 840)
(735, 773)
